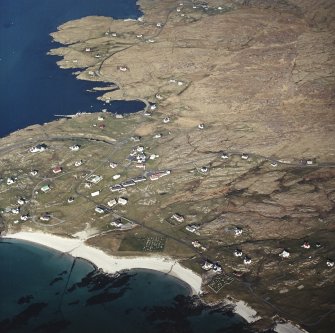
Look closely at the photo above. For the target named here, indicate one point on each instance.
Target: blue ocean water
(42, 290)
(32, 88)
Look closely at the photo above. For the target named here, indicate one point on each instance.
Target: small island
(225, 179)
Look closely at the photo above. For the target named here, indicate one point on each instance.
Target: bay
(42, 290)
(32, 88)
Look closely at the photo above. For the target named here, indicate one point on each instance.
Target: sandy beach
(112, 264)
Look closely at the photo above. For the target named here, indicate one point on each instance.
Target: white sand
(288, 328)
(110, 264)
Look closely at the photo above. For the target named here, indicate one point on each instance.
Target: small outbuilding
(122, 201)
(284, 254)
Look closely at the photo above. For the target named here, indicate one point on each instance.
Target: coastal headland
(230, 168)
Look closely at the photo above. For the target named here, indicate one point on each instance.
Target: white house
(204, 169)
(238, 231)
(244, 156)
(238, 253)
(10, 180)
(153, 107)
(284, 254)
(153, 156)
(99, 210)
(201, 126)
(37, 149)
(78, 163)
(166, 120)
(45, 217)
(21, 201)
(157, 136)
(192, 228)
(196, 244)
(122, 201)
(94, 179)
(116, 224)
(74, 147)
(24, 217)
(274, 164)
(94, 194)
(112, 203)
(207, 266)
(115, 177)
(330, 263)
(16, 210)
(113, 165)
(247, 260)
(33, 172)
(217, 268)
(70, 200)
(179, 218)
(224, 156)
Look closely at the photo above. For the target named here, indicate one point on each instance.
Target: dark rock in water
(98, 280)
(105, 297)
(23, 317)
(25, 299)
(53, 327)
(62, 273)
(55, 280)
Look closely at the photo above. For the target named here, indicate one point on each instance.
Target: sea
(42, 290)
(32, 87)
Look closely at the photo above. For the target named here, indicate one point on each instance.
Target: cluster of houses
(198, 245)
(208, 265)
(127, 183)
(239, 253)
